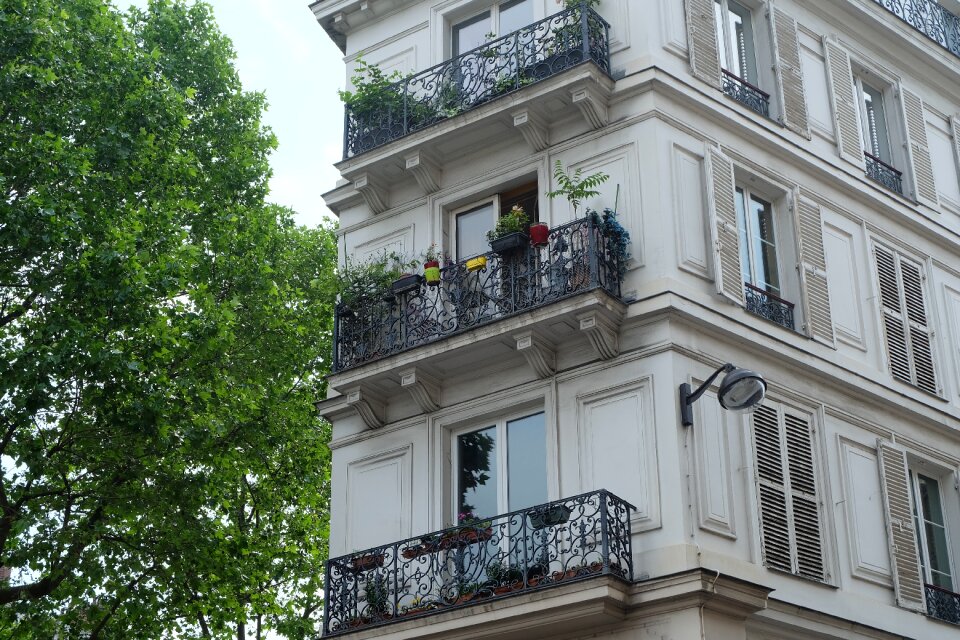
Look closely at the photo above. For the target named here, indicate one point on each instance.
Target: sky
(283, 51)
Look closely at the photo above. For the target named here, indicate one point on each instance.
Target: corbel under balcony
(423, 388)
(539, 353)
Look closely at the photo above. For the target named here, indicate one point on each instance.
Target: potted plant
(405, 280)
(539, 234)
(509, 234)
(617, 239)
(576, 188)
(549, 516)
(361, 283)
(504, 578)
(431, 266)
(366, 561)
(377, 596)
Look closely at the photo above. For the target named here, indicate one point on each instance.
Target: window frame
(493, 200)
(725, 40)
(889, 89)
(922, 543)
(469, 10)
(748, 195)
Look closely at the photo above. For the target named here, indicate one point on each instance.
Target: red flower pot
(539, 234)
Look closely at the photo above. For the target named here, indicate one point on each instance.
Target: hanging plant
(617, 238)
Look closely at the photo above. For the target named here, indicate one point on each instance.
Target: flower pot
(366, 562)
(346, 312)
(539, 234)
(406, 283)
(431, 272)
(464, 537)
(509, 242)
(475, 264)
(550, 516)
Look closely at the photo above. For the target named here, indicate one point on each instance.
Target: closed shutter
(786, 45)
(723, 226)
(843, 100)
(790, 531)
(906, 328)
(901, 535)
(814, 290)
(702, 41)
(925, 190)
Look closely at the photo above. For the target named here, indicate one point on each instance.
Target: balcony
(491, 71)
(538, 548)
(746, 94)
(942, 604)
(881, 172)
(578, 257)
(929, 18)
(768, 306)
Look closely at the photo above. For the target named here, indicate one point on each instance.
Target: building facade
(508, 454)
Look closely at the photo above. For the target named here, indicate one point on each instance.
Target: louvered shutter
(702, 41)
(804, 503)
(955, 131)
(814, 291)
(723, 226)
(774, 523)
(786, 46)
(894, 327)
(918, 149)
(921, 350)
(843, 100)
(901, 534)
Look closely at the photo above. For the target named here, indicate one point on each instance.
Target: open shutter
(814, 291)
(921, 350)
(804, 503)
(702, 41)
(843, 100)
(723, 226)
(774, 523)
(918, 150)
(894, 325)
(901, 535)
(955, 132)
(786, 45)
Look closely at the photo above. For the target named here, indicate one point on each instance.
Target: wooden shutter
(901, 534)
(918, 150)
(786, 45)
(955, 132)
(723, 226)
(790, 531)
(814, 290)
(906, 329)
(702, 41)
(843, 100)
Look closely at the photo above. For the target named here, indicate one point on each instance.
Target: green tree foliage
(163, 334)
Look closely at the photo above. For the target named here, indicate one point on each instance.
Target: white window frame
(724, 38)
(748, 194)
(454, 214)
(941, 477)
(891, 109)
(452, 12)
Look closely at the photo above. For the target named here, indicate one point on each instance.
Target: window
(931, 531)
(501, 467)
(472, 222)
(904, 314)
(737, 48)
(790, 531)
(501, 19)
(875, 133)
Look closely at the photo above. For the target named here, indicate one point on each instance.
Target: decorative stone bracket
(538, 353)
(369, 405)
(592, 105)
(425, 170)
(373, 194)
(531, 128)
(424, 388)
(603, 333)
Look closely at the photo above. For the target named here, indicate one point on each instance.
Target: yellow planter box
(475, 264)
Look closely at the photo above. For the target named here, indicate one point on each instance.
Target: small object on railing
(510, 242)
(539, 234)
(475, 264)
(366, 562)
(431, 272)
(549, 516)
(406, 283)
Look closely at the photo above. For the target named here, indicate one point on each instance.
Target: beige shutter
(702, 41)
(804, 503)
(723, 226)
(774, 523)
(786, 46)
(918, 150)
(955, 131)
(894, 326)
(901, 535)
(843, 100)
(814, 290)
(921, 351)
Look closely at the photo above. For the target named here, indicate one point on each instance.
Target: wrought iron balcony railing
(752, 97)
(766, 305)
(530, 549)
(578, 257)
(929, 18)
(942, 604)
(880, 171)
(499, 67)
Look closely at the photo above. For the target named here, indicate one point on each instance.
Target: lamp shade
(742, 390)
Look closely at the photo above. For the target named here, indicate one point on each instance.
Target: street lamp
(741, 390)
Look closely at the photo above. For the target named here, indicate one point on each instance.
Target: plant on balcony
(503, 578)
(361, 283)
(510, 232)
(617, 238)
(576, 188)
(378, 98)
(366, 561)
(431, 265)
(568, 35)
(549, 516)
(375, 590)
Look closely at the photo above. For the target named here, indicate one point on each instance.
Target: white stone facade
(863, 402)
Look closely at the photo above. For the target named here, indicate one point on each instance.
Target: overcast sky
(282, 51)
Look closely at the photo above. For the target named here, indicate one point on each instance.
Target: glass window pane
(741, 42)
(477, 475)
(470, 33)
(472, 227)
(718, 15)
(746, 267)
(764, 248)
(526, 462)
(930, 499)
(878, 140)
(515, 15)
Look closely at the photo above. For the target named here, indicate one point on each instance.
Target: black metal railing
(942, 604)
(578, 257)
(530, 549)
(767, 305)
(929, 18)
(751, 96)
(880, 171)
(499, 67)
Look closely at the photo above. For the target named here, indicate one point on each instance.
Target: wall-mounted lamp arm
(687, 398)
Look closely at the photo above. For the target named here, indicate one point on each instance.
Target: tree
(163, 335)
